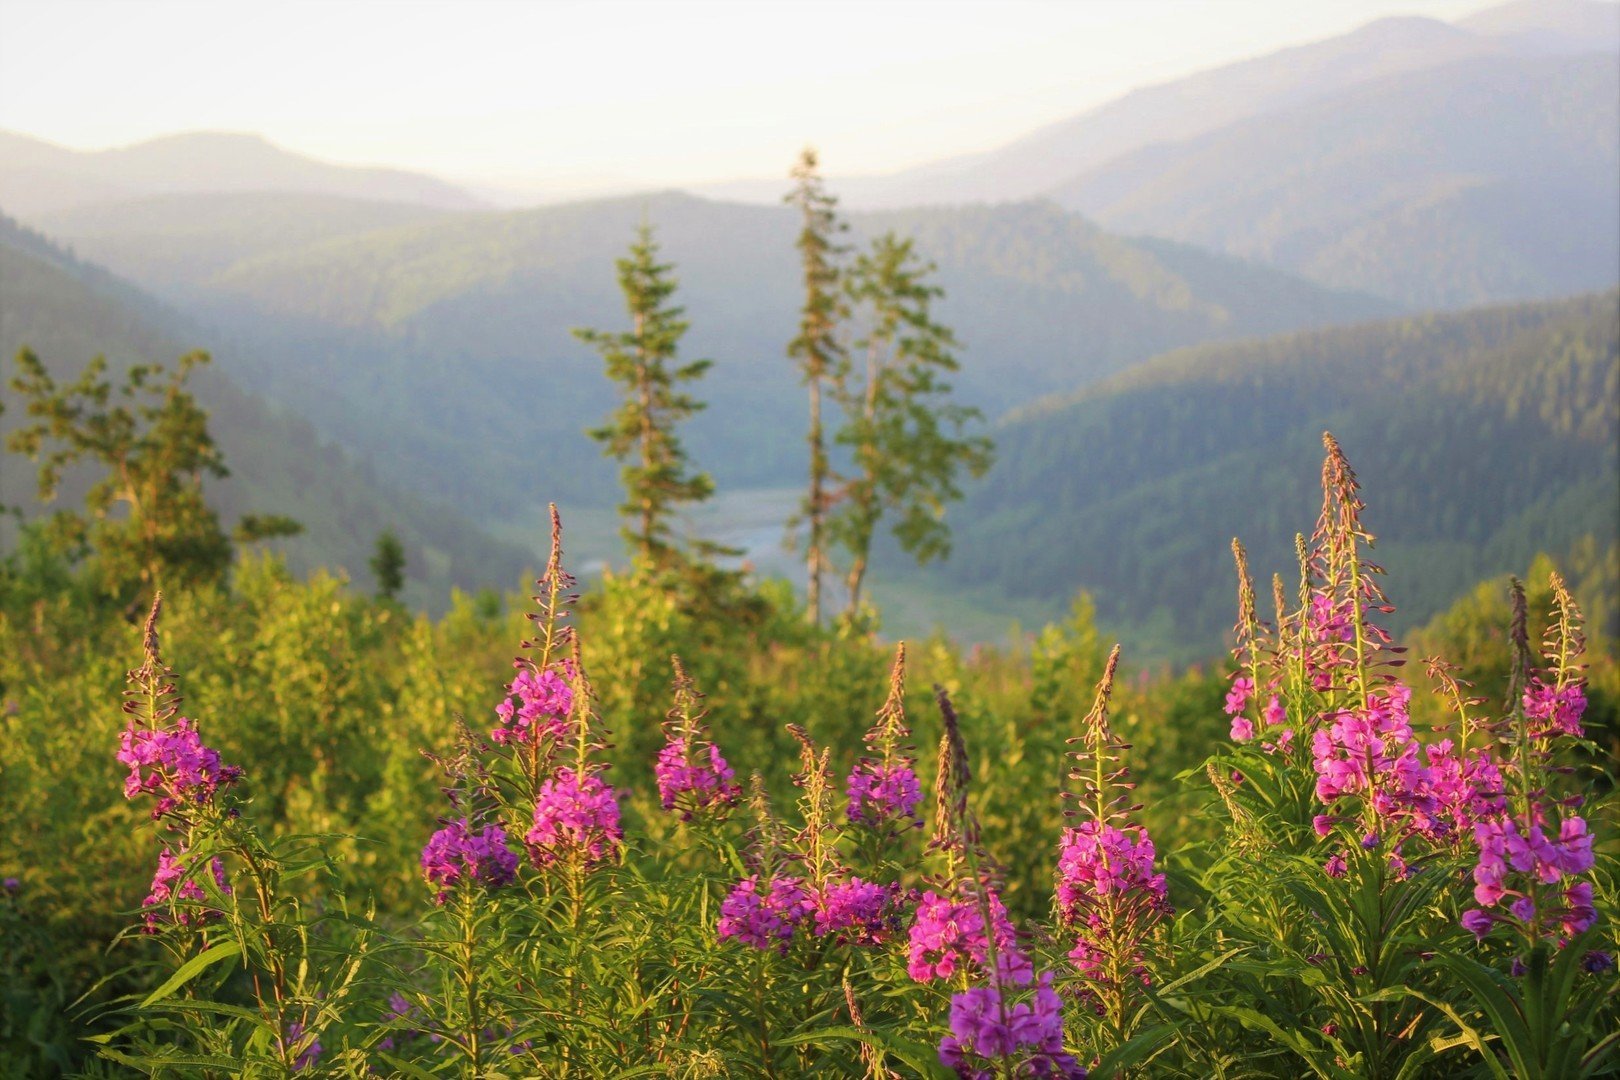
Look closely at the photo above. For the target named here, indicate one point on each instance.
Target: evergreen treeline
(1489, 435)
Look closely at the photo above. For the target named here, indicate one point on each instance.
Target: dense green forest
(69, 312)
(1490, 435)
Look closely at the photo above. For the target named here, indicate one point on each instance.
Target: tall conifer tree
(641, 431)
(906, 439)
(821, 358)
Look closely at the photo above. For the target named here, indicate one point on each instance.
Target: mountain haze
(68, 312)
(442, 349)
(1035, 163)
(1493, 178)
(1434, 164)
(38, 177)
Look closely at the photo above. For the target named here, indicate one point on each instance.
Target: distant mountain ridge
(1433, 164)
(1480, 437)
(395, 339)
(1487, 179)
(1036, 163)
(38, 177)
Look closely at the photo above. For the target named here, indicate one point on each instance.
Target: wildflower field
(686, 843)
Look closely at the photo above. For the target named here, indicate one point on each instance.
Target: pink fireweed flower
(1465, 790)
(858, 912)
(170, 884)
(1108, 894)
(991, 1036)
(1512, 864)
(949, 934)
(573, 816)
(880, 794)
(766, 914)
(1237, 698)
(1554, 710)
(1102, 860)
(1332, 621)
(172, 763)
(1372, 753)
(694, 785)
(539, 705)
(1275, 713)
(456, 854)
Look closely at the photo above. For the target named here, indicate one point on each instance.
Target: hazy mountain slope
(1480, 438)
(1175, 110)
(1488, 179)
(443, 349)
(37, 177)
(1551, 25)
(68, 312)
(1207, 101)
(169, 241)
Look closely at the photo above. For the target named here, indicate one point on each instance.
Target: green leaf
(204, 960)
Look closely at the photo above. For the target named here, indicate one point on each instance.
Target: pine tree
(905, 437)
(822, 360)
(641, 431)
(388, 565)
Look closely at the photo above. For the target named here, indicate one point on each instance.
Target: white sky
(543, 93)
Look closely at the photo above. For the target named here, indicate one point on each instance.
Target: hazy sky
(545, 94)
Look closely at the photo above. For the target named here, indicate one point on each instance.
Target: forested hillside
(68, 312)
(393, 341)
(1489, 435)
(174, 241)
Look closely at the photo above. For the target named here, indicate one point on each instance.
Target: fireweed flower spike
(766, 912)
(575, 815)
(1251, 682)
(170, 884)
(538, 713)
(165, 759)
(1108, 894)
(949, 935)
(538, 706)
(1345, 644)
(455, 854)
(576, 812)
(693, 777)
(991, 1037)
(1529, 855)
(818, 837)
(858, 912)
(766, 909)
(883, 787)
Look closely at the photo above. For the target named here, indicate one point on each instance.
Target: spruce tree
(821, 358)
(388, 565)
(905, 437)
(641, 431)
